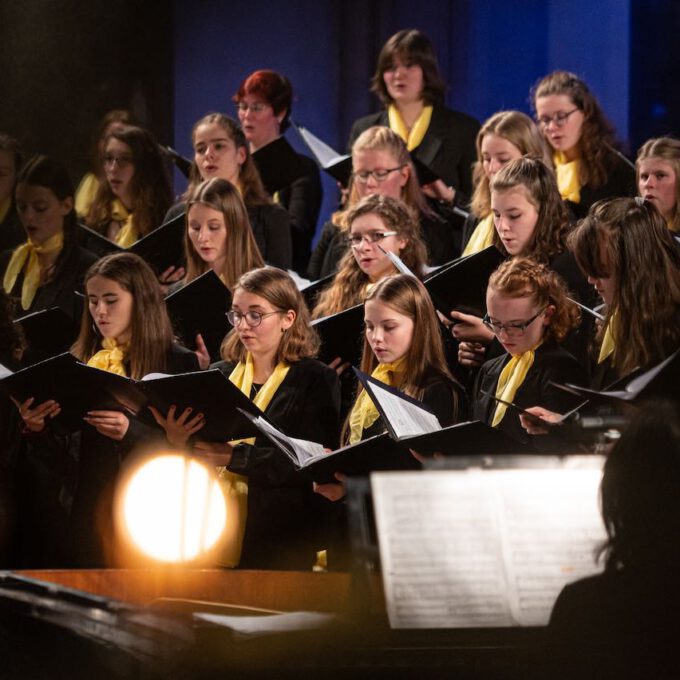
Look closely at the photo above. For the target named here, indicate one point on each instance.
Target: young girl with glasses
(528, 311)
(587, 164)
(268, 356)
(136, 193)
(376, 222)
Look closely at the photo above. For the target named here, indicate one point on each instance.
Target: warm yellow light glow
(173, 508)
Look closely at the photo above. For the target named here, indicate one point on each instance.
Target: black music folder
(76, 387)
(208, 392)
(201, 307)
(462, 285)
(279, 165)
(312, 291)
(48, 332)
(338, 166)
(341, 335)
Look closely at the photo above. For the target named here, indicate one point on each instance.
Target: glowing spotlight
(173, 508)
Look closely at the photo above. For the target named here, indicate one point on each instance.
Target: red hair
(271, 86)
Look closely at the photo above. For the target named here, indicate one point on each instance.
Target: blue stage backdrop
(490, 52)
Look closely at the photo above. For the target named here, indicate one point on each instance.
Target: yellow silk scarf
(27, 254)
(415, 136)
(568, 174)
(511, 379)
(235, 486)
(482, 236)
(4, 208)
(111, 357)
(128, 231)
(364, 413)
(85, 194)
(608, 346)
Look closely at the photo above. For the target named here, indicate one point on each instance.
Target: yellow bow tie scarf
(412, 137)
(111, 357)
(27, 255)
(235, 486)
(128, 231)
(364, 413)
(482, 236)
(510, 380)
(608, 345)
(568, 175)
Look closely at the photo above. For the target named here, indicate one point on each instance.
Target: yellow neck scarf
(511, 379)
(412, 137)
(111, 358)
(85, 193)
(128, 231)
(608, 346)
(482, 236)
(4, 208)
(27, 254)
(568, 174)
(235, 486)
(364, 413)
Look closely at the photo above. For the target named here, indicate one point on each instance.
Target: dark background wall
(62, 65)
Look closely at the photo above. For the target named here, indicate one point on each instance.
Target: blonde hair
(242, 251)
(350, 282)
(518, 129)
(666, 149)
(524, 277)
(278, 288)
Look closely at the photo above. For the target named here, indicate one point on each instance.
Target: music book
(76, 387)
(201, 307)
(342, 335)
(48, 332)
(476, 547)
(312, 290)
(659, 381)
(462, 285)
(161, 248)
(180, 162)
(208, 392)
(588, 310)
(278, 164)
(338, 166)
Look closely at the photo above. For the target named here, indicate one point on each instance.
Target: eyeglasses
(377, 175)
(560, 119)
(371, 237)
(109, 160)
(255, 107)
(512, 330)
(252, 318)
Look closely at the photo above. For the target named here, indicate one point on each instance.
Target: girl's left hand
(470, 328)
(215, 453)
(202, 353)
(439, 191)
(112, 424)
(178, 429)
(333, 491)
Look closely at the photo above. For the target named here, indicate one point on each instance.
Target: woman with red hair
(264, 101)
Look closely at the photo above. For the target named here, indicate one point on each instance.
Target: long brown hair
(251, 186)
(151, 333)
(597, 133)
(518, 129)
(149, 187)
(278, 288)
(350, 282)
(242, 251)
(626, 238)
(552, 225)
(524, 277)
(425, 360)
(666, 149)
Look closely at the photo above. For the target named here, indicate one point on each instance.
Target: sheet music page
(407, 419)
(484, 548)
(4, 371)
(301, 449)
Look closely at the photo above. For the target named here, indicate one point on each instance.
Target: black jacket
(448, 147)
(12, 233)
(287, 521)
(551, 363)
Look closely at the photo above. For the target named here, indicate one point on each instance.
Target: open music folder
(476, 548)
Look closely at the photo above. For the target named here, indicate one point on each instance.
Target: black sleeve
(319, 253)
(446, 401)
(276, 242)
